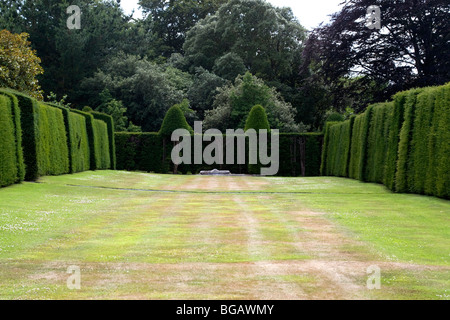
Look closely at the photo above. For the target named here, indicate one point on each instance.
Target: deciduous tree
(19, 65)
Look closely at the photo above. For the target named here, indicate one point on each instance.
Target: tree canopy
(411, 49)
(234, 102)
(247, 35)
(219, 58)
(174, 18)
(19, 65)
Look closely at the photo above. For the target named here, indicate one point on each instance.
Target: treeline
(135, 69)
(403, 144)
(39, 139)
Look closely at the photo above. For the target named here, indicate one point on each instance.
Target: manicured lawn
(146, 236)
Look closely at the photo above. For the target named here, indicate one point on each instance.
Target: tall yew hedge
(111, 144)
(51, 140)
(38, 139)
(403, 144)
(44, 139)
(101, 141)
(8, 146)
(77, 140)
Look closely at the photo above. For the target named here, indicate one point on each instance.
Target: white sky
(310, 13)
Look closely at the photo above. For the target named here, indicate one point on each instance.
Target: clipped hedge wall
(79, 146)
(403, 144)
(425, 137)
(56, 140)
(111, 143)
(394, 119)
(51, 140)
(139, 152)
(338, 148)
(77, 140)
(101, 141)
(403, 161)
(28, 107)
(9, 166)
(377, 143)
(15, 112)
(44, 140)
(299, 154)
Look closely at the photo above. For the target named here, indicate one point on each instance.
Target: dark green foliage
(77, 139)
(289, 164)
(15, 113)
(313, 153)
(44, 141)
(56, 141)
(404, 146)
(364, 136)
(358, 149)
(418, 159)
(174, 120)
(324, 160)
(355, 148)
(300, 154)
(28, 107)
(80, 152)
(395, 118)
(139, 152)
(427, 168)
(335, 117)
(442, 155)
(89, 118)
(257, 119)
(8, 150)
(101, 141)
(377, 143)
(338, 145)
(51, 140)
(110, 123)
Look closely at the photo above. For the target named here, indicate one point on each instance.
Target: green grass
(138, 235)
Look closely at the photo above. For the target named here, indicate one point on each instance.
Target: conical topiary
(174, 120)
(257, 119)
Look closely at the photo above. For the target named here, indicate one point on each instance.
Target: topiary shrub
(257, 119)
(174, 120)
